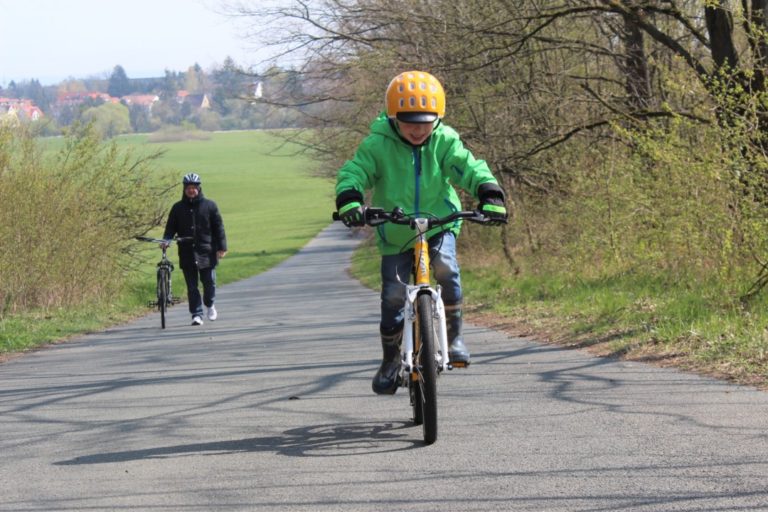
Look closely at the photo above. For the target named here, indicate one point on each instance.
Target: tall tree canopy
(119, 85)
(603, 117)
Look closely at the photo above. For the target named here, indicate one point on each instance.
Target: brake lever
(479, 218)
(371, 216)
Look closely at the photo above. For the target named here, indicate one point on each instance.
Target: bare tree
(537, 87)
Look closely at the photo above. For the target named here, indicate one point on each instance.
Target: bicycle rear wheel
(162, 294)
(426, 384)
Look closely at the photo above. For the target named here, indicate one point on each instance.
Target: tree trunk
(638, 85)
(720, 28)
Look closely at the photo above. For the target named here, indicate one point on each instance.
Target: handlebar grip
(335, 216)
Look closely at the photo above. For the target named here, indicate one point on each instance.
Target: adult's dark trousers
(194, 276)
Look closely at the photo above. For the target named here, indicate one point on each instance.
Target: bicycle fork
(438, 320)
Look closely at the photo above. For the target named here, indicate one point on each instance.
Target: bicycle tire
(162, 294)
(427, 365)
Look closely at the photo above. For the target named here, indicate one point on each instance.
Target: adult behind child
(412, 160)
(197, 217)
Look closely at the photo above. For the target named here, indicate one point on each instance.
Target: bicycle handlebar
(373, 216)
(177, 239)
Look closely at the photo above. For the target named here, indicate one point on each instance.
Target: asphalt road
(270, 408)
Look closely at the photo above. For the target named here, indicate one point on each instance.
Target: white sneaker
(212, 313)
(196, 320)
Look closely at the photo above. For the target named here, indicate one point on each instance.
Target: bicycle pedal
(458, 364)
(152, 304)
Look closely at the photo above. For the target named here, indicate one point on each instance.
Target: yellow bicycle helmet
(415, 97)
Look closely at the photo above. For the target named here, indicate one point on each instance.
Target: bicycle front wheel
(426, 364)
(415, 390)
(162, 294)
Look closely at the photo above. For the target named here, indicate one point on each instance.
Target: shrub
(69, 217)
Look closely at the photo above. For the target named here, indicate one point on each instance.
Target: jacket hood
(384, 126)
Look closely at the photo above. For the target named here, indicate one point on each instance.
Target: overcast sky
(51, 40)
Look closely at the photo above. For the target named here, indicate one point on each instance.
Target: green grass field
(271, 204)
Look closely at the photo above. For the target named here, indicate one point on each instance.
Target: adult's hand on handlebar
(351, 214)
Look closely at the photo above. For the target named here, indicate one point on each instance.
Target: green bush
(69, 217)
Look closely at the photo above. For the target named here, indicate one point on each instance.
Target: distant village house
(73, 99)
(198, 101)
(25, 109)
(19, 109)
(142, 100)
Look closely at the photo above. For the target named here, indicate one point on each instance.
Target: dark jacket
(200, 219)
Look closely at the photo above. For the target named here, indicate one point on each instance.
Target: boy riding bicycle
(411, 160)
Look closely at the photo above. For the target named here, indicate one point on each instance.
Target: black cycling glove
(351, 214)
(492, 203)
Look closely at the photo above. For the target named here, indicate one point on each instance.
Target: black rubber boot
(387, 378)
(458, 353)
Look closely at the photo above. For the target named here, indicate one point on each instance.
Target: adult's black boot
(387, 378)
(458, 353)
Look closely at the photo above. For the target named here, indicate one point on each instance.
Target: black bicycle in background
(165, 298)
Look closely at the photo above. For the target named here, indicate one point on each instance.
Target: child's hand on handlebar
(351, 214)
(495, 214)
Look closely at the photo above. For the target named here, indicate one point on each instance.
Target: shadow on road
(330, 440)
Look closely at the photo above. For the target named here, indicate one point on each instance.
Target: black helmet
(191, 179)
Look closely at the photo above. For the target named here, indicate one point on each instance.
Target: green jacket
(417, 179)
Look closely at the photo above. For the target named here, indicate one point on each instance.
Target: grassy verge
(638, 317)
(699, 328)
(271, 205)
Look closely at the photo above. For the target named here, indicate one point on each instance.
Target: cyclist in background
(412, 160)
(198, 217)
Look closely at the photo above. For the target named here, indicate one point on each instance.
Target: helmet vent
(191, 179)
